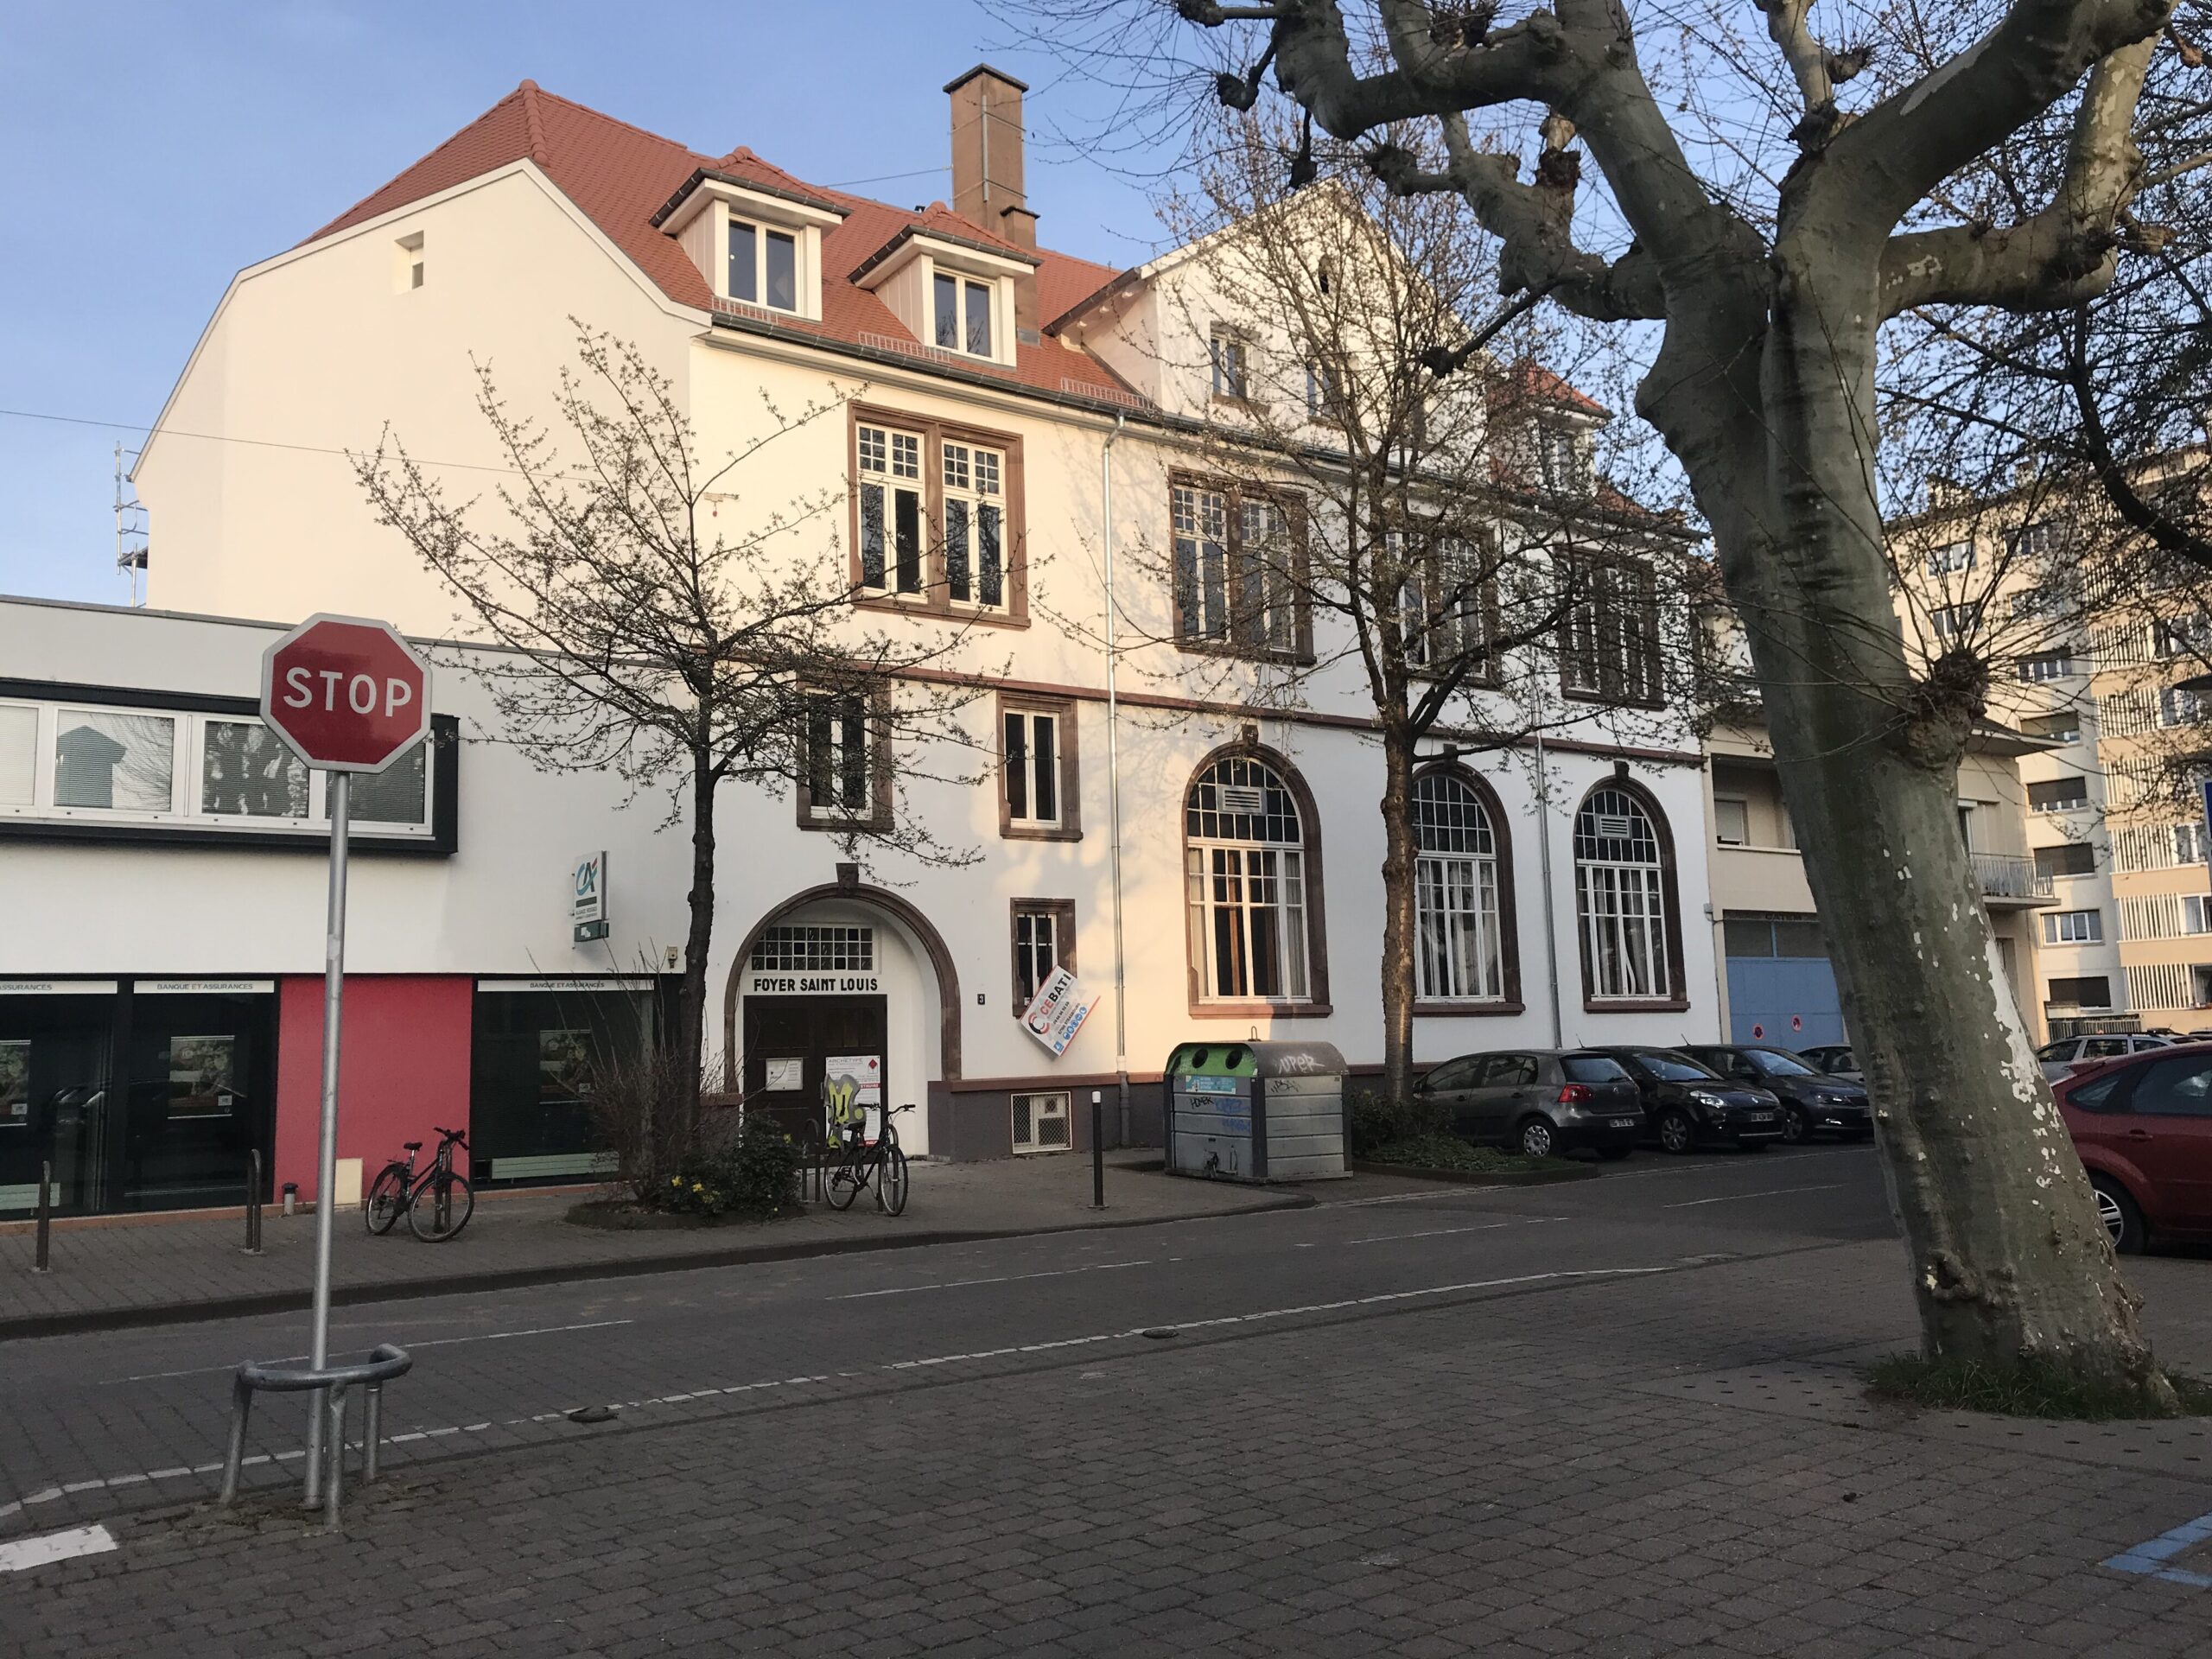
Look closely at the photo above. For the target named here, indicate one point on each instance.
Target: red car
(2143, 1127)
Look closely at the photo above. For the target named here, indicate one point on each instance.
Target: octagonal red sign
(345, 693)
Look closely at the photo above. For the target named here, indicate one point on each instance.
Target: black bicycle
(437, 1204)
(860, 1163)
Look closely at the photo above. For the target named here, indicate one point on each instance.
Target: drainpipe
(1113, 780)
(1544, 863)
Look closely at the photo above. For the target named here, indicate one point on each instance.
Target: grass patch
(2033, 1389)
(1449, 1152)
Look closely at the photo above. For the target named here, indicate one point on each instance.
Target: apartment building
(2089, 650)
(1202, 857)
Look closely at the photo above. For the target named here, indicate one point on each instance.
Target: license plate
(1759, 1118)
(1623, 1123)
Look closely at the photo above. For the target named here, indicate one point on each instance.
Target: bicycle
(865, 1160)
(397, 1188)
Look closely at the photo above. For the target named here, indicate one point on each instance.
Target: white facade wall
(323, 346)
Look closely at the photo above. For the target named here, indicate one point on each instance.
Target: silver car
(2069, 1055)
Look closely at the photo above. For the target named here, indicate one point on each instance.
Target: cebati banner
(1056, 1012)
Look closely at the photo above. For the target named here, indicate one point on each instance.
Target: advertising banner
(1056, 1012)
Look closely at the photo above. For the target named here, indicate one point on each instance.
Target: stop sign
(346, 693)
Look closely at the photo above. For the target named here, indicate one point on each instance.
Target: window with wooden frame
(936, 517)
(763, 265)
(1230, 357)
(1038, 794)
(1043, 935)
(844, 762)
(1447, 605)
(1252, 860)
(1626, 903)
(1609, 640)
(1239, 572)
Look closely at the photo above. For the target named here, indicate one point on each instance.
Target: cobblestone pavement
(1613, 1419)
(148, 1269)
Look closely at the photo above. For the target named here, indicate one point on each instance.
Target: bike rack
(382, 1364)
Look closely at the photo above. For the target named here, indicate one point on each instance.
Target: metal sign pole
(326, 1187)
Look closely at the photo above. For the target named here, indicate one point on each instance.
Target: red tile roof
(620, 176)
(1527, 381)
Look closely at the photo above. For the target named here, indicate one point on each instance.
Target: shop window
(542, 1050)
(116, 761)
(210, 771)
(1044, 938)
(1040, 1122)
(1625, 899)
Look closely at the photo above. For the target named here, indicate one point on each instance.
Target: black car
(1811, 1103)
(1688, 1105)
(1540, 1101)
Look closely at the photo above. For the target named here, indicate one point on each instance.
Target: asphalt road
(92, 1424)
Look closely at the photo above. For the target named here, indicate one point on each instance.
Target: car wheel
(2123, 1220)
(1796, 1126)
(1677, 1133)
(1613, 1154)
(1537, 1138)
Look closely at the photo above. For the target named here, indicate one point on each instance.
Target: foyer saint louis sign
(761, 984)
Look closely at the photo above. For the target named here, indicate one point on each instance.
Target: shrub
(1373, 1121)
(749, 1172)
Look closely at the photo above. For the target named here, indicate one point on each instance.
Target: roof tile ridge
(529, 93)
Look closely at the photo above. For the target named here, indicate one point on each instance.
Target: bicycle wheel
(440, 1206)
(842, 1181)
(387, 1198)
(891, 1180)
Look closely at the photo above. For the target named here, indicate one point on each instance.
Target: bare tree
(659, 627)
(1377, 505)
(1762, 270)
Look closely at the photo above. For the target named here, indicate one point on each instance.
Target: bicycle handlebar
(451, 1135)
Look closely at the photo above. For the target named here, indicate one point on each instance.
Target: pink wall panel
(403, 1067)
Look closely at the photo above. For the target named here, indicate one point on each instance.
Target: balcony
(2009, 882)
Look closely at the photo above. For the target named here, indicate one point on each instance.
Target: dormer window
(964, 315)
(763, 265)
(1559, 459)
(758, 244)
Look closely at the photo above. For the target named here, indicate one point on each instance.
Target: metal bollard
(43, 1261)
(253, 1203)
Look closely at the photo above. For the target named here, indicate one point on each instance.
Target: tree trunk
(691, 1013)
(1398, 918)
(2010, 1261)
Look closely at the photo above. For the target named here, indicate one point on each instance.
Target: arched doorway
(847, 979)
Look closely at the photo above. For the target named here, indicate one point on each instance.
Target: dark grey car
(1540, 1101)
(1812, 1102)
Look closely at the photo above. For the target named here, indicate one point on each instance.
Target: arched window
(1622, 895)
(1246, 857)
(1458, 949)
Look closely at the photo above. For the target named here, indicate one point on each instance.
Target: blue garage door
(1781, 988)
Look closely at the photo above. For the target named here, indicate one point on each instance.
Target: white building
(972, 367)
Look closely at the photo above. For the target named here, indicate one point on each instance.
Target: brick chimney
(986, 170)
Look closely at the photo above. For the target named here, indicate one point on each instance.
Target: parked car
(1540, 1101)
(2070, 1054)
(2142, 1125)
(1833, 1060)
(1811, 1103)
(1687, 1105)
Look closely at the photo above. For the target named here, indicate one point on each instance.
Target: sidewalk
(159, 1273)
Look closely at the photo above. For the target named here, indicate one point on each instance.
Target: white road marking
(54, 1493)
(1770, 1192)
(27, 1552)
(1001, 1279)
(1443, 1232)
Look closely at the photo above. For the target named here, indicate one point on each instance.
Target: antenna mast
(131, 537)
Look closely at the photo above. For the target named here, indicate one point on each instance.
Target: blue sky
(156, 148)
